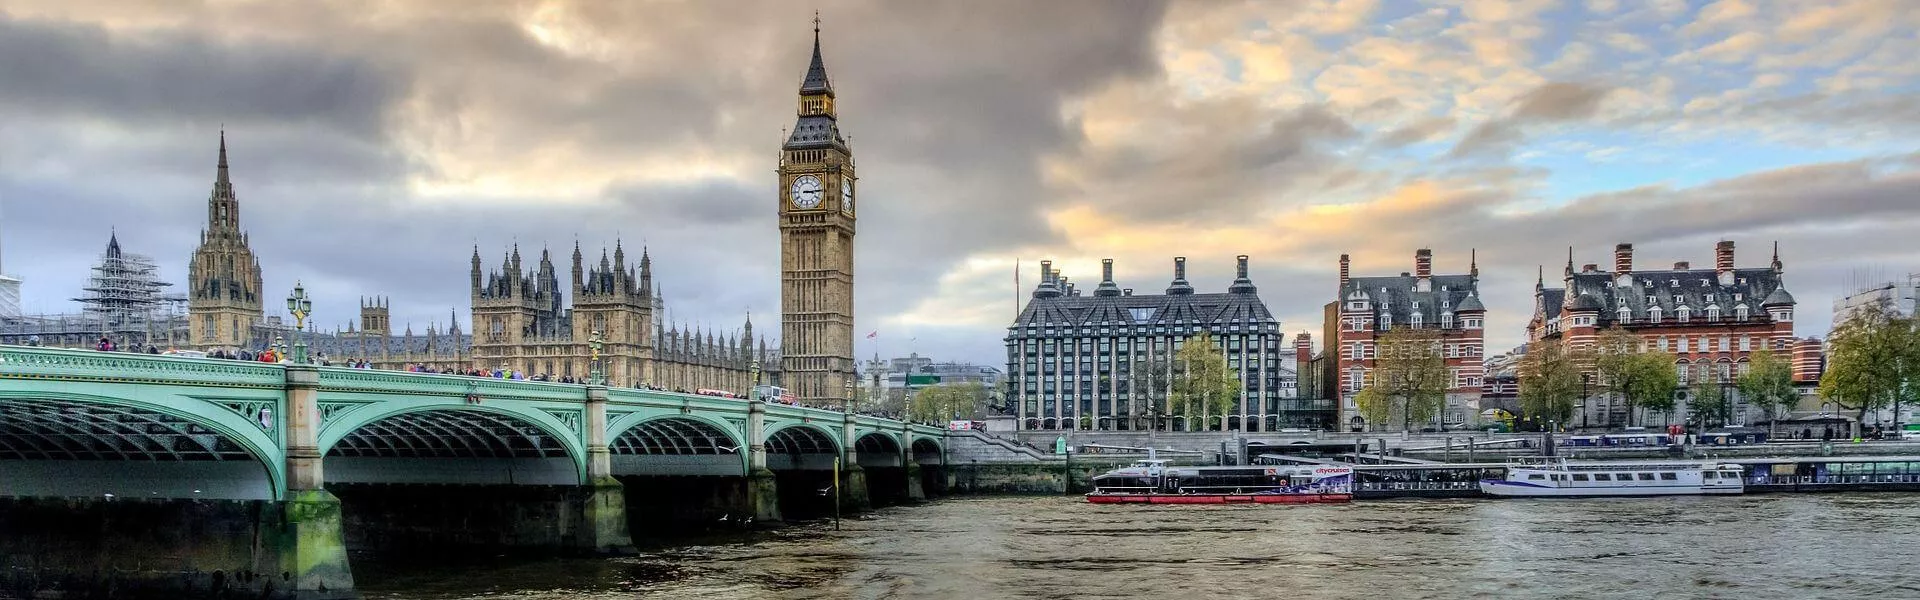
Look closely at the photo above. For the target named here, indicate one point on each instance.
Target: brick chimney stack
(1723, 256)
(1622, 259)
(1302, 351)
(1681, 265)
(1423, 263)
(1344, 263)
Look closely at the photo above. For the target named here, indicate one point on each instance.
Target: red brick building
(1370, 306)
(1710, 319)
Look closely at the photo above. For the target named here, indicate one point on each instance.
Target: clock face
(846, 195)
(806, 192)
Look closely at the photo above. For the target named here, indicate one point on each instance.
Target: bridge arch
(453, 443)
(878, 449)
(801, 446)
(927, 451)
(63, 443)
(680, 444)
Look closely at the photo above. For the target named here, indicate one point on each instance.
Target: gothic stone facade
(522, 322)
(1070, 357)
(816, 247)
(1709, 319)
(1369, 307)
(224, 295)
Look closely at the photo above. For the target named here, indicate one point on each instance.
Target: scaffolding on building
(125, 301)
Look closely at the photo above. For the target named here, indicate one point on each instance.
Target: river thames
(1750, 547)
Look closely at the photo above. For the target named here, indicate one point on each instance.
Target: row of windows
(1126, 343)
(1365, 350)
(1655, 317)
(1356, 378)
(1415, 321)
(1180, 327)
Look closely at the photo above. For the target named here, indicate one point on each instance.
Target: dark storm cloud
(63, 68)
(1213, 161)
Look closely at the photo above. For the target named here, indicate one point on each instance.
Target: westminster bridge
(127, 474)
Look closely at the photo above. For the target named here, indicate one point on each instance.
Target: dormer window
(1414, 320)
(1739, 311)
(1682, 314)
(1713, 313)
(1625, 316)
(1386, 322)
(1446, 320)
(1653, 315)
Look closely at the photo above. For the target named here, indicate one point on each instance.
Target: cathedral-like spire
(221, 176)
(223, 210)
(816, 80)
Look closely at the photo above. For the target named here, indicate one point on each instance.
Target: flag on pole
(874, 334)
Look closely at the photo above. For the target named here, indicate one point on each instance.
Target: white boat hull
(1514, 489)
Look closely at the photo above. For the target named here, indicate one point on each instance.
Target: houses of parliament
(523, 320)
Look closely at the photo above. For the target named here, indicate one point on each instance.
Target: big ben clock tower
(816, 246)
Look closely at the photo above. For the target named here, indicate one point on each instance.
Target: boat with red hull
(1153, 482)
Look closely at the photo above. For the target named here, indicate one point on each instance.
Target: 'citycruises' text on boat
(1153, 482)
(1559, 478)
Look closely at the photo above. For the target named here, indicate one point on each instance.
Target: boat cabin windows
(1602, 477)
(1646, 477)
(1669, 476)
(1625, 477)
(1579, 476)
(1535, 476)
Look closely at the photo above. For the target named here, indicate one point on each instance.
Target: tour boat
(1559, 478)
(1153, 482)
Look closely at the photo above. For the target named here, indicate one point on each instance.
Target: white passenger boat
(1560, 478)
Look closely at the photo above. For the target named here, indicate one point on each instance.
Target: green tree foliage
(1640, 378)
(1873, 361)
(1375, 405)
(1147, 382)
(1410, 377)
(947, 401)
(1549, 382)
(1203, 384)
(1768, 384)
(1710, 403)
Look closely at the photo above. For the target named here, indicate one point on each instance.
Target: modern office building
(1072, 358)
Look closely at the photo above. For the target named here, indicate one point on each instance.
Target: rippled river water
(1752, 547)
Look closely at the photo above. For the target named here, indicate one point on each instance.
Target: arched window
(1681, 371)
(1653, 314)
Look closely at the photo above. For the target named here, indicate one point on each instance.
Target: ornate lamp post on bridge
(847, 401)
(753, 380)
(596, 374)
(300, 306)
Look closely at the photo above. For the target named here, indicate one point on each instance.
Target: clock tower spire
(816, 205)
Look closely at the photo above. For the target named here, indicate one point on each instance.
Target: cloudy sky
(374, 144)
